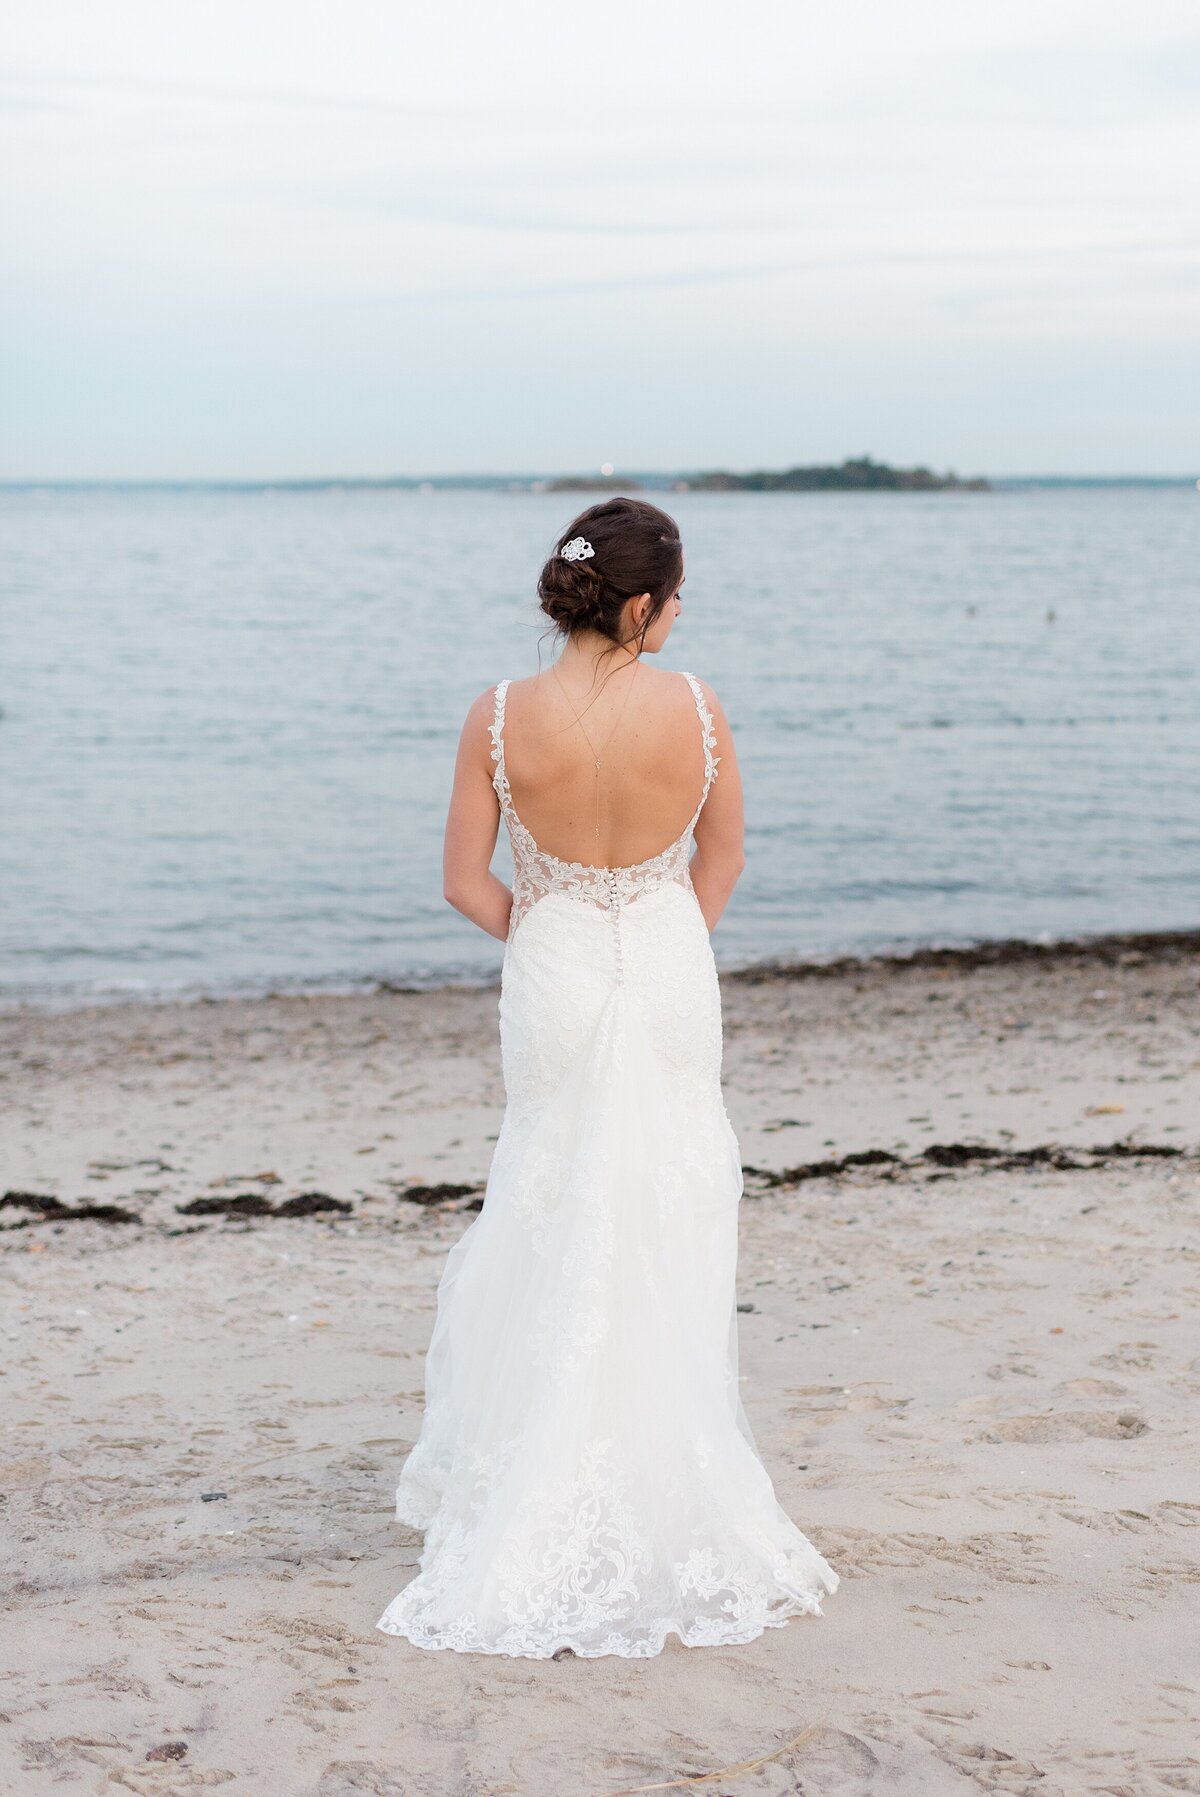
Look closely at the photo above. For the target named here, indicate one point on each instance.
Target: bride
(585, 1475)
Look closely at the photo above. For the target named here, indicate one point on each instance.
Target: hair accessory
(577, 550)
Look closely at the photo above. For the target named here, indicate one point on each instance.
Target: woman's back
(641, 725)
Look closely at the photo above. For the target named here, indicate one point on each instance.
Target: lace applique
(575, 1554)
(536, 872)
(709, 738)
(577, 1567)
(543, 1180)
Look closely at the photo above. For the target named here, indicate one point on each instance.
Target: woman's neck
(588, 652)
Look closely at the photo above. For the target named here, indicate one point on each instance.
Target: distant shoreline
(526, 484)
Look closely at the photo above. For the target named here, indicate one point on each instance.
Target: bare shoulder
(475, 738)
(481, 712)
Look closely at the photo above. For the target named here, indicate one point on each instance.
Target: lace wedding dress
(585, 1474)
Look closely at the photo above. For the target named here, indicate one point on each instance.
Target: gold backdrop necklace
(597, 753)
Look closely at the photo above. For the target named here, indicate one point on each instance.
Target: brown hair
(637, 550)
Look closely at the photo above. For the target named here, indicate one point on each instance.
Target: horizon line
(13, 483)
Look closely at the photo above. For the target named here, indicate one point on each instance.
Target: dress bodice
(537, 872)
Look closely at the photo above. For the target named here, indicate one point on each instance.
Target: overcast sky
(274, 238)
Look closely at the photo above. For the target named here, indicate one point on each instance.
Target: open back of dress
(536, 872)
(585, 1474)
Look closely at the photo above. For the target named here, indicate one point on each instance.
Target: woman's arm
(720, 856)
(471, 825)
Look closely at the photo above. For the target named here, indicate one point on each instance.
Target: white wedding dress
(585, 1474)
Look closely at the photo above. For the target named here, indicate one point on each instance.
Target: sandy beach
(969, 1277)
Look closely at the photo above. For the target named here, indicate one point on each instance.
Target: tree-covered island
(858, 474)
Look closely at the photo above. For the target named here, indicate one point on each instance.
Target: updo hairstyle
(637, 550)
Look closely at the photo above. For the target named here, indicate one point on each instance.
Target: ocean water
(228, 721)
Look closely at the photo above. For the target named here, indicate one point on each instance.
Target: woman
(585, 1474)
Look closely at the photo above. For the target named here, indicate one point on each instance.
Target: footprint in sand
(1068, 1425)
(834, 1753)
(315, 1635)
(1093, 1388)
(992, 1767)
(1012, 1369)
(359, 1778)
(1009, 1556)
(1165, 1576)
(180, 1781)
(1184, 1516)
(1108, 1522)
(1134, 1357)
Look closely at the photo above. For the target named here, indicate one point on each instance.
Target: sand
(975, 1384)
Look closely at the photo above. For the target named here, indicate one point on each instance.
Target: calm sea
(229, 719)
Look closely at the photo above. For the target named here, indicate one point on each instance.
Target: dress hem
(635, 1651)
(792, 1606)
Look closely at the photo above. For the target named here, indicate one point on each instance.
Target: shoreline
(1106, 948)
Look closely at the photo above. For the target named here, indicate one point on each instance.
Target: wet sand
(969, 1274)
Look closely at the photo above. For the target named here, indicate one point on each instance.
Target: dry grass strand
(701, 1778)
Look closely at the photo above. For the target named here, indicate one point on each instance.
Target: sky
(269, 239)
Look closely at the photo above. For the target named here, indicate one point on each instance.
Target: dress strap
(708, 736)
(496, 732)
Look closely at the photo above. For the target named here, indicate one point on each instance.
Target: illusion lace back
(585, 1475)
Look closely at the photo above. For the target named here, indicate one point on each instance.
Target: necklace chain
(596, 756)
